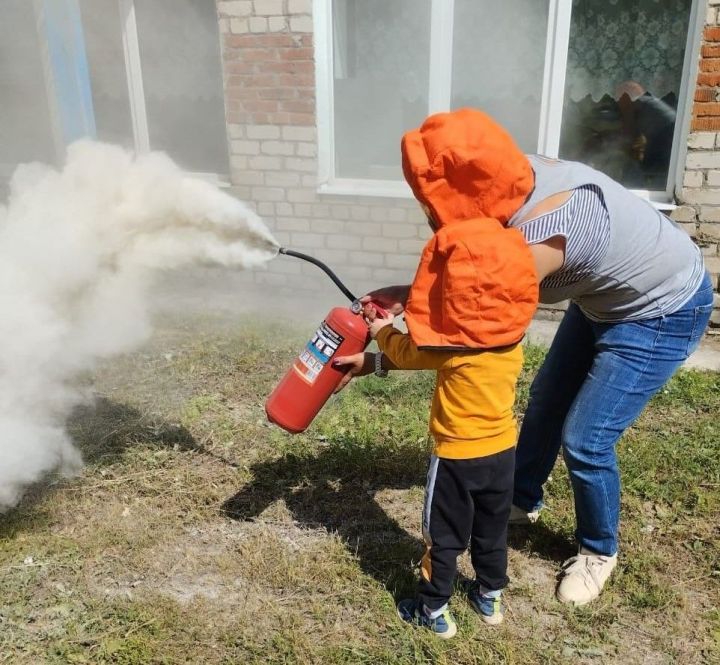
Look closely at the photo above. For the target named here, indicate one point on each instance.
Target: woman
(640, 300)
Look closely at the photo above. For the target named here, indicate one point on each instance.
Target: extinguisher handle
(359, 308)
(380, 311)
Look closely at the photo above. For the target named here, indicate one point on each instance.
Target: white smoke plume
(78, 249)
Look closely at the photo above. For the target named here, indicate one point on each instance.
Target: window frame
(439, 95)
(136, 91)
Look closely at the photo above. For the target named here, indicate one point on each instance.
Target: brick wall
(269, 76)
(699, 194)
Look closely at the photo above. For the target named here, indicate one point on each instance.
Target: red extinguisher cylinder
(311, 380)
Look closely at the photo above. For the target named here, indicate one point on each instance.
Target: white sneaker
(518, 516)
(583, 577)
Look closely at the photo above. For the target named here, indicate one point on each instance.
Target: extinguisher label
(317, 352)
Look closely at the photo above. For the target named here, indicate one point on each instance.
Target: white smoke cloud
(78, 249)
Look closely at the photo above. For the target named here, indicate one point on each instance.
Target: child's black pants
(466, 500)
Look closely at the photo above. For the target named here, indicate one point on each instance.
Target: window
(156, 78)
(103, 39)
(502, 76)
(179, 47)
(381, 53)
(25, 124)
(624, 74)
(145, 74)
(596, 81)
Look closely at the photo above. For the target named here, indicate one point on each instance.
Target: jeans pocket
(700, 321)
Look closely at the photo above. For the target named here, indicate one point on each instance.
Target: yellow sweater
(471, 414)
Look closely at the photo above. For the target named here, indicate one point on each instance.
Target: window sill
(390, 189)
(395, 189)
(660, 200)
(664, 206)
(220, 180)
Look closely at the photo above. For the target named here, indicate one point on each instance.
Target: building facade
(298, 105)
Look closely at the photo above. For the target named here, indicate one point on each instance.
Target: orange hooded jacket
(476, 285)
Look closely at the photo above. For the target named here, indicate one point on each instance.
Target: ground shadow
(336, 489)
(539, 539)
(102, 430)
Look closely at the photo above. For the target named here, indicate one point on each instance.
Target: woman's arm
(549, 256)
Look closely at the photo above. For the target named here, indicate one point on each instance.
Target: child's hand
(377, 320)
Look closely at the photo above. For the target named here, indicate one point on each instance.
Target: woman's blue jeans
(595, 381)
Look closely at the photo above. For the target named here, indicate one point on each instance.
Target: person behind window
(649, 125)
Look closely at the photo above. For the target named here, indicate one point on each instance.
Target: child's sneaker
(443, 625)
(487, 605)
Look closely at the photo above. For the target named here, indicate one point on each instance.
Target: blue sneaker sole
(449, 633)
(491, 619)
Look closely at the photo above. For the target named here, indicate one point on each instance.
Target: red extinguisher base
(288, 427)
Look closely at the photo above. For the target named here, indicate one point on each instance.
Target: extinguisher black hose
(323, 267)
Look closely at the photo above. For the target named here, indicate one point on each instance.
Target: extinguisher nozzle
(310, 259)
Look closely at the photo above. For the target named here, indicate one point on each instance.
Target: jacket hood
(463, 165)
(475, 288)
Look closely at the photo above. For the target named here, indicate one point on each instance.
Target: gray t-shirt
(625, 261)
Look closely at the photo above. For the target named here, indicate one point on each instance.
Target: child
(469, 486)
(473, 296)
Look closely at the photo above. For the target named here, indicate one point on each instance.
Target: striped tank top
(584, 223)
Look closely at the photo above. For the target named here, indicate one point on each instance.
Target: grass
(199, 534)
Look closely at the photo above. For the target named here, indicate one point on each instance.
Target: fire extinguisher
(311, 379)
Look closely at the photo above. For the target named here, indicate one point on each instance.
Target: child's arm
(401, 350)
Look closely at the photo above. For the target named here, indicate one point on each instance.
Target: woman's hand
(358, 364)
(391, 298)
(377, 320)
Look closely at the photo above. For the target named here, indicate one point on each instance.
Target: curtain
(614, 41)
